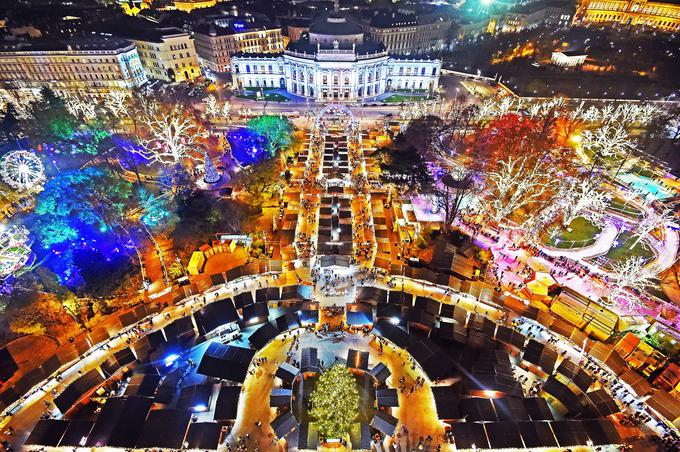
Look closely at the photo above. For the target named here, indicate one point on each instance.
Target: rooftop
(335, 24)
(75, 45)
(233, 29)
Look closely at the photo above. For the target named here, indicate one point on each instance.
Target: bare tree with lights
(581, 198)
(651, 221)
(608, 141)
(630, 275)
(212, 108)
(116, 102)
(517, 182)
(172, 137)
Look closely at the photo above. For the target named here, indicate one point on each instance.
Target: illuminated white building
(79, 65)
(335, 62)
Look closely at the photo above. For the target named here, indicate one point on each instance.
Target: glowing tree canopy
(651, 221)
(335, 402)
(275, 129)
(580, 198)
(22, 170)
(608, 141)
(517, 183)
(629, 274)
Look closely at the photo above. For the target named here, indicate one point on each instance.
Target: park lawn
(617, 204)
(399, 98)
(624, 250)
(582, 234)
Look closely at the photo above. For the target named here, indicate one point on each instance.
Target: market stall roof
(77, 431)
(510, 409)
(226, 361)
(380, 373)
(387, 397)
(280, 398)
(226, 407)
(538, 409)
(203, 436)
(195, 397)
(144, 385)
(537, 434)
(287, 372)
(309, 361)
(7, 364)
(360, 436)
(575, 373)
(164, 429)
(308, 437)
(477, 409)
(120, 422)
(562, 393)
(467, 435)
(602, 431)
(385, 423)
(503, 435)
(214, 315)
(287, 322)
(392, 332)
(263, 335)
(255, 313)
(357, 359)
(47, 433)
(308, 316)
(446, 401)
(603, 403)
(359, 318)
(284, 425)
(76, 390)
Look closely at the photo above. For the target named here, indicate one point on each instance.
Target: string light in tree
(335, 403)
(22, 170)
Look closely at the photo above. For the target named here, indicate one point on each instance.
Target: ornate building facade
(335, 62)
(88, 65)
(660, 15)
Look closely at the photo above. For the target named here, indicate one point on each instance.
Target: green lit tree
(277, 130)
(335, 402)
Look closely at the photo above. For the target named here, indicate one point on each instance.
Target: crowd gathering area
(344, 338)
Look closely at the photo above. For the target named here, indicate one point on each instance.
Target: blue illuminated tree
(277, 130)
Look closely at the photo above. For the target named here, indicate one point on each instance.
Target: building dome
(336, 25)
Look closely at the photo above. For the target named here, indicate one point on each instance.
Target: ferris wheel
(22, 170)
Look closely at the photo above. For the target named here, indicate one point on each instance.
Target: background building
(335, 62)
(407, 33)
(166, 54)
(88, 65)
(549, 13)
(661, 15)
(215, 44)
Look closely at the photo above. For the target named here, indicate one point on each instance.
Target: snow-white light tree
(631, 274)
(581, 198)
(516, 183)
(116, 102)
(608, 141)
(212, 108)
(651, 221)
(226, 109)
(171, 137)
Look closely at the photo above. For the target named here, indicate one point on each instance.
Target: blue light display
(247, 147)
